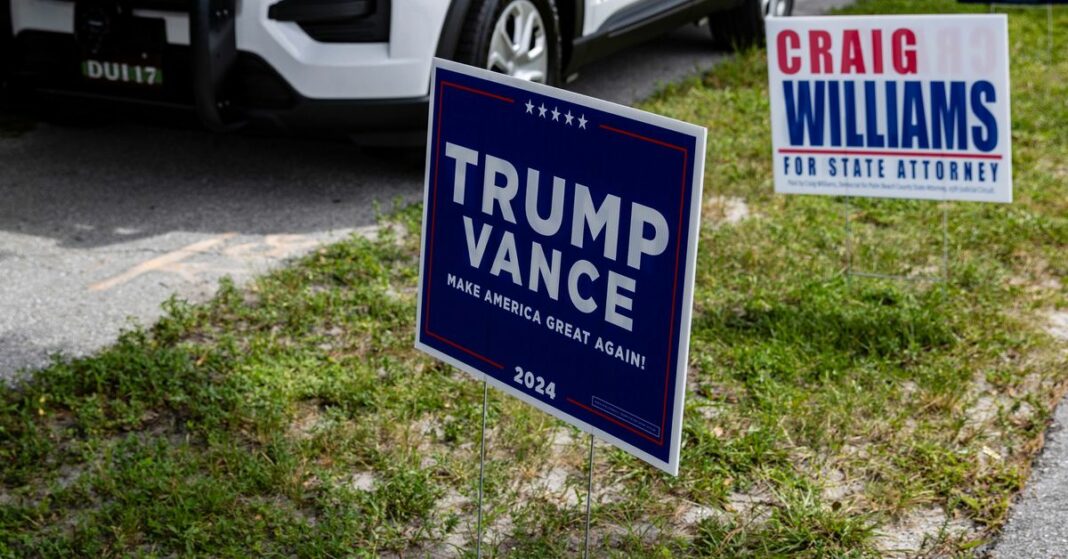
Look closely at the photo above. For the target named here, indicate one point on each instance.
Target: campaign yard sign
(559, 247)
(891, 106)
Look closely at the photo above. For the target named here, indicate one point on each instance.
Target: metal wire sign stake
(481, 478)
(1049, 20)
(589, 497)
(482, 466)
(943, 278)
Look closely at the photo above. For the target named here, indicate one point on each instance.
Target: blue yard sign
(559, 247)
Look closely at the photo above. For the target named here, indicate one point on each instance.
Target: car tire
(743, 25)
(478, 47)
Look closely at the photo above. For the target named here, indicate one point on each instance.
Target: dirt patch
(837, 487)
(374, 232)
(742, 508)
(554, 487)
(690, 515)
(708, 409)
(454, 513)
(725, 210)
(983, 411)
(921, 530)
(362, 481)
(305, 420)
(1057, 325)
(561, 441)
(752, 507)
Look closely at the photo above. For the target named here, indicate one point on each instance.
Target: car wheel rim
(518, 46)
(780, 7)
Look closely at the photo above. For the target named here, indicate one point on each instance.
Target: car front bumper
(249, 69)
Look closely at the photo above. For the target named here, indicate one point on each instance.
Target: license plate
(140, 73)
(119, 51)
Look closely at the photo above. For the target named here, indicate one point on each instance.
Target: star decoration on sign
(554, 112)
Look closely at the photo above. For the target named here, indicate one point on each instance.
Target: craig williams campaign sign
(891, 106)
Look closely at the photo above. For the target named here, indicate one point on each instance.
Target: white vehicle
(352, 66)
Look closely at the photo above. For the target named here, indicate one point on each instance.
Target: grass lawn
(825, 416)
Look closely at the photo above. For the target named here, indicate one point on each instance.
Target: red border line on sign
(675, 284)
(478, 91)
(890, 153)
(646, 138)
(465, 350)
(434, 215)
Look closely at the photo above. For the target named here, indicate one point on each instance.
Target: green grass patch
(826, 416)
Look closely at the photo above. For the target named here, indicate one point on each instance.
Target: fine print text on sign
(559, 247)
(891, 106)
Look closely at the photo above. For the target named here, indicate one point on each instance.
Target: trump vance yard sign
(558, 255)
